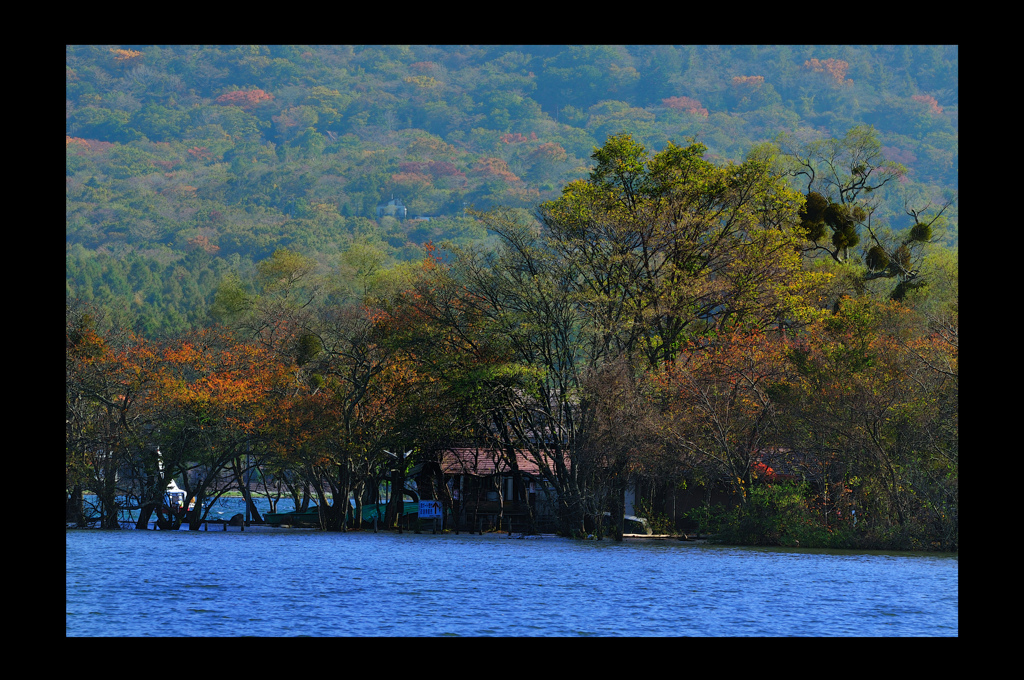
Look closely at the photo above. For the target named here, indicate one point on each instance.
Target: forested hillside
(727, 270)
(189, 164)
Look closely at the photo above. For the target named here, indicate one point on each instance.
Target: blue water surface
(295, 582)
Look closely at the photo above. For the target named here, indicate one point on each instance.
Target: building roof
(484, 462)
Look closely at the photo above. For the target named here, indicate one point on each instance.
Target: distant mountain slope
(184, 163)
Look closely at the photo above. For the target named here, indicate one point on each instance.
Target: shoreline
(495, 535)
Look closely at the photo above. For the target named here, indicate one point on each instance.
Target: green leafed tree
(661, 244)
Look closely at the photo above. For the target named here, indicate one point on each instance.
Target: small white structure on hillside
(394, 208)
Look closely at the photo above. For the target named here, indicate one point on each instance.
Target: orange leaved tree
(719, 407)
(217, 396)
(110, 380)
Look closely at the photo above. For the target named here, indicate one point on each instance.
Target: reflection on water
(313, 583)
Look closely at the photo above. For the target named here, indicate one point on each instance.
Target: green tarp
(371, 511)
(310, 516)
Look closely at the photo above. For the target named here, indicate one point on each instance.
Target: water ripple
(311, 583)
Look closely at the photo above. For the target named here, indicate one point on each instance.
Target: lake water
(296, 582)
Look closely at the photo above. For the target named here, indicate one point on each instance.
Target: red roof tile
(483, 462)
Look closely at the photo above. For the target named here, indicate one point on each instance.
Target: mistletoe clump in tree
(844, 182)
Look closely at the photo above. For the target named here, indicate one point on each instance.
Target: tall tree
(522, 296)
(844, 179)
(872, 409)
(110, 381)
(649, 252)
(657, 243)
(217, 399)
(720, 405)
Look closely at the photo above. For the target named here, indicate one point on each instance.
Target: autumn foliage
(748, 81)
(688, 104)
(720, 407)
(125, 56)
(200, 153)
(246, 99)
(203, 243)
(930, 101)
(835, 68)
(517, 138)
(493, 168)
(423, 81)
(664, 298)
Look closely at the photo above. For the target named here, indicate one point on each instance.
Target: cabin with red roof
(484, 492)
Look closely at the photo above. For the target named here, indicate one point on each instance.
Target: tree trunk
(618, 510)
(145, 512)
(443, 494)
(244, 488)
(106, 494)
(397, 504)
(571, 516)
(521, 496)
(150, 495)
(167, 519)
(74, 509)
(340, 492)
